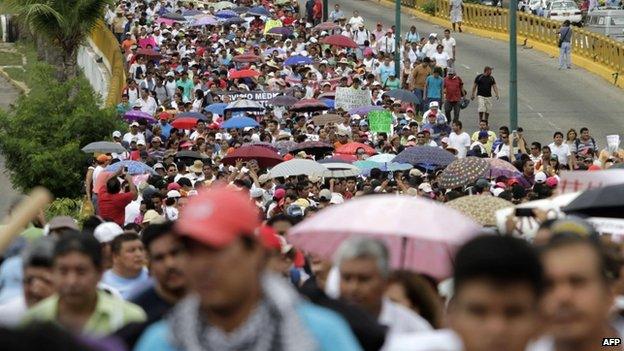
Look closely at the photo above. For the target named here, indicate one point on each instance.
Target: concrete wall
(96, 69)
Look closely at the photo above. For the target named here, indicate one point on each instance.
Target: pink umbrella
(166, 21)
(420, 234)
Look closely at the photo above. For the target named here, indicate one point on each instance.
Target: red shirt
(453, 87)
(113, 206)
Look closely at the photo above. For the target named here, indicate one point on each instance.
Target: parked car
(609, 22)
(564, 10)
(497, 3)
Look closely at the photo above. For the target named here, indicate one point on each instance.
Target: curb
(579, 61)
(23, 89)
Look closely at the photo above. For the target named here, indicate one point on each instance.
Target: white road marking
(466, 67)
(547, 120)
(530, 107)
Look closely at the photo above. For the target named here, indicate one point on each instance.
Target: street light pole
(397, 39)
(325, 8)
(513, 67)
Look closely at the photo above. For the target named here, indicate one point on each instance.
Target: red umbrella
(326, 26)
(184, 123)
(339, 40)
(148, 52)
(247, 57)
(352, 147)
(309, 105)
(244, 73)
(265, 156)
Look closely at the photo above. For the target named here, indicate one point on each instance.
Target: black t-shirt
(484, 85)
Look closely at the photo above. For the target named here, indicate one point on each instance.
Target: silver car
(609, 22)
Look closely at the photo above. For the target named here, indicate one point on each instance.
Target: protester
(128, 273)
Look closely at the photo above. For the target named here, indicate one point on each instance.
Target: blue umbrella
(226, 14)
(425, 155)
(239, 122)
(259, 11)
(241, 9)
(403, 95)
(217, 108)
(283, 31)
(192, 115)
(134, 167)
(234, 20)
(329, 102)
(364, 110)
(298, 60)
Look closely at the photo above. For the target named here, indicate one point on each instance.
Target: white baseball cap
(434, 104)
(116, 134)
(173, 194)
(107, 231)
(540, 177)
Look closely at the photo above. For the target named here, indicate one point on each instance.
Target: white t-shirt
(562, 151)
(356, 21)
(502, 151)
(128, 137)
(459, 142)
(401, 319)
(436, 340)
(441, 59)
(449, 44)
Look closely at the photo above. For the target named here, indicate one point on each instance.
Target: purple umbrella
(226, 14)
(429, 155)
(284, 31)
(500, 167)
(364, 110)
(283, 146)
(135, 115)
(205, 21)
(283, 100)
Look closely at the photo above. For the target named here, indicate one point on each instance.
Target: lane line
(547, 120)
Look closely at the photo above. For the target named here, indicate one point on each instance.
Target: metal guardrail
(108, 45)
(593, 46)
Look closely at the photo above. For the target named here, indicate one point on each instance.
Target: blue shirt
(384, 73)
(166, 130)
(126, 287)
(434, 87)
(412, 37)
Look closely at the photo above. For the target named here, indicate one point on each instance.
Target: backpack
(577, 142)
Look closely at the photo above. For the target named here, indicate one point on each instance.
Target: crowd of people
(234, 137)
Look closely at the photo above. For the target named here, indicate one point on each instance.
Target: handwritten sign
(380, 121)
(347, 98)
(573, 181)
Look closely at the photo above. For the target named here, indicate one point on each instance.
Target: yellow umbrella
(481, 208)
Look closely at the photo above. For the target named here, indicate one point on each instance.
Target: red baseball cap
(217, 216)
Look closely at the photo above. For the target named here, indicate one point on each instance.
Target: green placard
(380, 121)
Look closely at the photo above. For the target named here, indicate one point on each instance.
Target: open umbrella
(352, 148)
(426, 247)
(234, 20)
(424, 155)
(480, 208)
(136, 115)
(298, 60)
(336, 159)
(247, 57)
(103, 147)
(243, 73)
(326, 26)
(297, 167)
(239, 122)
(364, 110)
(241, 9)
(204, 21)
(606, 202)
(463, 171)
(190, 13)
(316, 148)
(339, 40)
(283, 100)
(184, 123)
(226, 14)
(174, 16)
(283, 31)
(265, 157)
(259, 11)
(263, 144)
(403, 95)
(244, 105)
(192, 115)
(309, 105)
(151, 53)
(382, 158)
(500, 167)
(217, 109)
(223, 5)
(284, 146)
(189, 154)
(340, 170)
(134, 167)
(321, 120)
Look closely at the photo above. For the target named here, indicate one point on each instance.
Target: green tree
(62, 24)
(42, 136)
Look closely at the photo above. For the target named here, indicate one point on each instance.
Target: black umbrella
(607, 202)
(316, 148)
(403, 95)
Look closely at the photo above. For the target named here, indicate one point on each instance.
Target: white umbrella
(103, 147)
(244, 105)
(297, 167)
(340, 170)
(382, 158)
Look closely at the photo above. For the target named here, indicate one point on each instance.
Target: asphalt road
(8, 95)
(548, 99)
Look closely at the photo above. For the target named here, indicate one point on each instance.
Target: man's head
(364, 269)
(128, 255)
(558, 138)
(483, 125)
(498, 281)
(578, 292)
(224, 257)
(77, 268)
(487, 71)
(167, 258)
(38, 283)
(584, 133)
(457, 126)
(528, 167)
(536, 148)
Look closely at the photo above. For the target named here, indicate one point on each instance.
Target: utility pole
(325, 8)
(397, 39)
(513, 67)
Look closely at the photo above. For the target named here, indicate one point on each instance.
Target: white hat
(415, 172)
(141, 142)
(497, 191)
(134, 124)
(540, 177)
(170, 74)
(434, 104)
(218, 136)
(107, 231)
(255, 193)
(138, 103)
(435, 35)
(411, 137)
(116, 134)
(173, 194)
(425, 187)
(355, 116)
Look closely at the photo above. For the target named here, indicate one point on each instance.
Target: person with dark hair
(497, 285)
(561, 150)
(78, 306)
(413, 291)
(535, 152)
(578, 296)
(128, 274)
(527, 179)
(112, 202)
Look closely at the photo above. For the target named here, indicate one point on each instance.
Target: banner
(380, 121)
(573, 181)
(261, 97)
(347, 98)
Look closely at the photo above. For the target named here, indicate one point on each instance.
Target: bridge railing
(593, 46)
(108, 45)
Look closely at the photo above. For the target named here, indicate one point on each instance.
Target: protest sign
(261, 97)
(573, 181)
(347, 98)
(380, 121)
